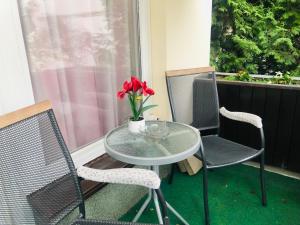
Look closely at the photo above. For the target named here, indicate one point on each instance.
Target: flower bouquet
(136, 91)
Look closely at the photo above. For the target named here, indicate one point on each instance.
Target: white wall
(15, 84)
(188, 27)
(180, 39)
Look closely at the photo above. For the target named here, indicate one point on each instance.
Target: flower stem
(132, 105)
(141, 106)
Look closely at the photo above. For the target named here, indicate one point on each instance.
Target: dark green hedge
(257, 36)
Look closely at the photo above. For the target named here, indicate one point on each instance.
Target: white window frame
(145, 40)
(16, 89)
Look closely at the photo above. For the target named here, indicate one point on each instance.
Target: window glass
(79, 53)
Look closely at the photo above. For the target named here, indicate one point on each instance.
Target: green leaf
(146, 108)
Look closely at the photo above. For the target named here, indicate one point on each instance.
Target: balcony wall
(180, 38)
(279, 107)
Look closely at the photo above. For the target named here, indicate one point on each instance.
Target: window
(79, 53)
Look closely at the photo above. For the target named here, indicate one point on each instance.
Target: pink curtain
(80, 52)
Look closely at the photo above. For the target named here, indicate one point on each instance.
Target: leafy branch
(259, 37)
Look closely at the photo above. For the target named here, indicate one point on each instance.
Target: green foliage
(279, 78)
(257, 36)
(285, 78)
(241, 76)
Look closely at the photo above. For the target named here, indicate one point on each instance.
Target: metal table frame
(153, 195)
(153, 164)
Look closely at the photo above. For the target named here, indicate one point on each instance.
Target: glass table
(181, 142)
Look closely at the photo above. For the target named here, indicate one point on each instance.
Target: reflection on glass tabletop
(177, 142)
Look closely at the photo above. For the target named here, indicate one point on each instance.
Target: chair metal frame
(201, 155)
(45, 107)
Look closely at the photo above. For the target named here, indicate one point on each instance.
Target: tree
(259, 36)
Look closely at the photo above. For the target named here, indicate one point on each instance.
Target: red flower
(127, 86)
(144, 86)
(121, 94)
(135, 89)
(136, 84)
(150, 91)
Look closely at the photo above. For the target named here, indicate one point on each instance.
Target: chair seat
(104, 222)
(221, 152)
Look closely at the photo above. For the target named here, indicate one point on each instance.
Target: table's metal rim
(154, 160)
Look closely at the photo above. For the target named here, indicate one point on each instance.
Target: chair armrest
(142, 177)
(242, 117)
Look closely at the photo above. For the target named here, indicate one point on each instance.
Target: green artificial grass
(234, 198)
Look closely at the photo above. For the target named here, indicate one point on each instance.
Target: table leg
(177, 214)
(153, 195)
(156, 170)
(143, 207)
(157, 207)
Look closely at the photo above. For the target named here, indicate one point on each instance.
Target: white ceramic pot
(136, 126)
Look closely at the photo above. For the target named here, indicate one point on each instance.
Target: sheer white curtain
(79, 54)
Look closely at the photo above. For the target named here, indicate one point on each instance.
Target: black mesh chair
(39, 182)
(194, 100)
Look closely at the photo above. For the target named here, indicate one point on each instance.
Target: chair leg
(262, 179)
(82, 210)
(205, 196)
(171, 175)
(81, 205)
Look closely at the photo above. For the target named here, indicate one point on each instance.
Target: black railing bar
(254, 75)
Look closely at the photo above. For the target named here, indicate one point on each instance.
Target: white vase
(136, 127)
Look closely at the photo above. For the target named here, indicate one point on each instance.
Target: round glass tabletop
(179, 143)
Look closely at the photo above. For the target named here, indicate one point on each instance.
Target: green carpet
(234, 198)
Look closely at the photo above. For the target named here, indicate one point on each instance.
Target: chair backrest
(38, 182)
(193, 97)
